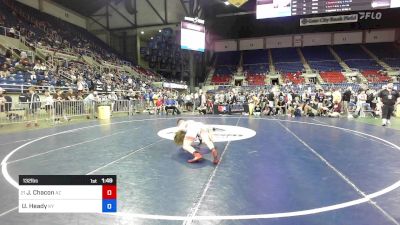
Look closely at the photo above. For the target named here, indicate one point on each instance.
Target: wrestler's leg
(206, 138)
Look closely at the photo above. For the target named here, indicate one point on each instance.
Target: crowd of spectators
(44, 31)
(276, 101)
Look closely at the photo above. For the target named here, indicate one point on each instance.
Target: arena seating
(295, 78)
(256, 69)
(317, 53)
(221, 79)
(255, 57)
(320, 58)
(387, 52)
(325, 66)
(363, 64)
(333, 77)
(355, 57)
(45, 31)
(287, 60)
(258, 80)
(255, 66)
(289, 67)
(394, 62)
(228, 58)
(374, 76)
(223, 74)
(226, 66)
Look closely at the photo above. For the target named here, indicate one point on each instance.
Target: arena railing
(21, 88)
(6, 32)
(37, 112)
(63, 111)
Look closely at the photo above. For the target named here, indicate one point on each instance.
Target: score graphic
(67, 194)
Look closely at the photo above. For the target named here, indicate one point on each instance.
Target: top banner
(328, 20)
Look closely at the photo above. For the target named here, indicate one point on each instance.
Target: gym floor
(294, 171)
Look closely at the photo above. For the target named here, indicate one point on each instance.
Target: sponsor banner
(370, 15)
(228, 109)
(222, 108)
(220, 133)
(237, 108)
(329, 20)
(175, 86)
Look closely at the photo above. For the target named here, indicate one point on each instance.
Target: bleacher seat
(289, 67)
(287, 60)
(355, 57)
(317, 53)
(325, 66)
(333, 77)
(387, 52)
(295, 78)
(228, 58)
(374, 76)
(255, 57)
(320, 58)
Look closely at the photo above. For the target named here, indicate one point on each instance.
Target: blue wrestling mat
(292, 171)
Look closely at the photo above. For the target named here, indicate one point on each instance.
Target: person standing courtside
(389, 98)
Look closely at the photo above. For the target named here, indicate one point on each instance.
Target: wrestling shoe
(196, 157)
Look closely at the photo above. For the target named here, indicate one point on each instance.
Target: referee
(388, 97)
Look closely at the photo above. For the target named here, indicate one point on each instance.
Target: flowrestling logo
(220, 133)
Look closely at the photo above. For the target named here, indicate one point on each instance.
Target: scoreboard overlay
(67, 194)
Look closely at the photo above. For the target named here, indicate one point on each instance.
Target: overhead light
(142, 32)
(151, 38)
(227, 3)
(159, 31)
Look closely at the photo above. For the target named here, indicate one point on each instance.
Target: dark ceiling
(83, 7)
(217, 7)
(210, 7)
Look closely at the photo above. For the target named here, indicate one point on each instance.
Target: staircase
(337, 57)
(271, 62)
(373, 56)
(303, 60)
(209, 77)
(320, 80)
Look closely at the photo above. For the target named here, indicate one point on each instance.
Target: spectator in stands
(112, 97)
(4, 72)
(49, 103)
(130, 81)
(81, 84)
(70, 95)
(11, 32)
(23, 55)
(8, 55)
(33, 107)
(2, 20)
(91, 103)
(58, 99)
(33, 75)
(2, 100)
(39, 66)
